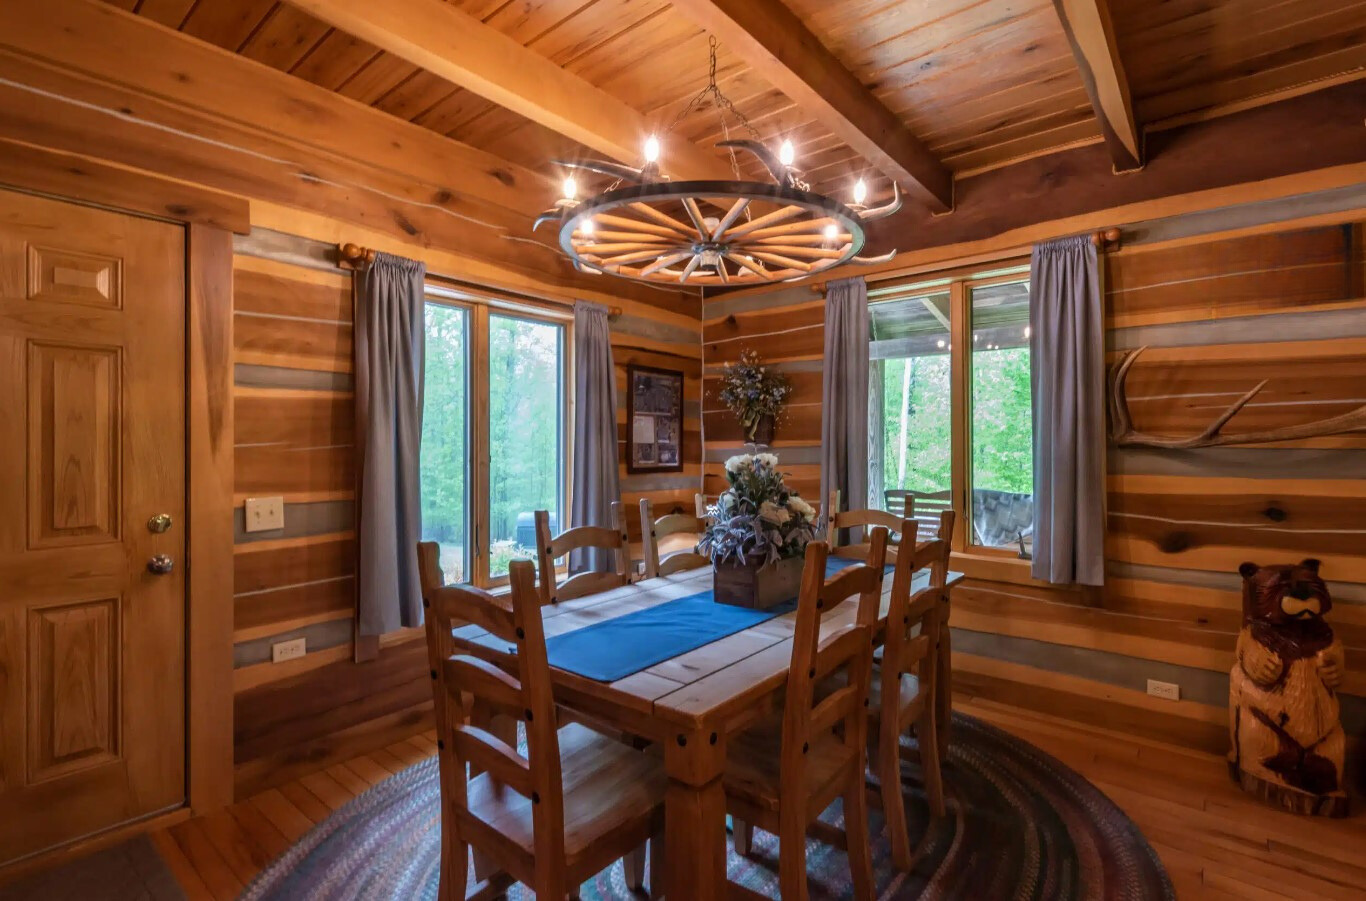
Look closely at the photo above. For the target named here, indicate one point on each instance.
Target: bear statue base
(1290, 799)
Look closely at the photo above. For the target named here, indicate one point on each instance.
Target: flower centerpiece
(754, 393)
(758, 534)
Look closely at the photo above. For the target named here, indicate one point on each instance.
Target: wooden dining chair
(837, 520)
(651, 530)
(550, 548)
(569, 807)
(782, 773)
(904, 694)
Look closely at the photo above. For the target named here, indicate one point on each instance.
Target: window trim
(960, 284)
(479, 308)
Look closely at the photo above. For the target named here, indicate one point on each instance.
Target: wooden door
(92, 446)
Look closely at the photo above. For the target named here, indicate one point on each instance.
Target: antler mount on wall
(1124, 434)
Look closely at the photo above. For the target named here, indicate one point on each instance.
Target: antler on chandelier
(1125, 435)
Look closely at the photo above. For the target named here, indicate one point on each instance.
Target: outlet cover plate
(264, 514)
(288, 650)
(1167, 690)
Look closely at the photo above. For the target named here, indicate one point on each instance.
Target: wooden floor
(1215, 842)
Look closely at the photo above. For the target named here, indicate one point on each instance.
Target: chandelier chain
(723, 106)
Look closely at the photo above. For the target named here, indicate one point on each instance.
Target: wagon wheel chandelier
(646, 227)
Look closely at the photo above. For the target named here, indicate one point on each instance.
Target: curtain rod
(357, 258)
(1104, 239)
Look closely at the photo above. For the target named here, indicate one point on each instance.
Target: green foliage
(1002, 437)
(752, 390)
(525, 431)
(443, 469)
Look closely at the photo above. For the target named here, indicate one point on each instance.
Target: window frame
(960, 284)
(479, 308)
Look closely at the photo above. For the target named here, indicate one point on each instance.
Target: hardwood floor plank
(199, 847)
(329, 790)
(407, 752)
(232, 844)
(283, 815)
(179, 865)
(307, 803)
(393, 765)
(269, 841)
(367, 769)
(347, 778)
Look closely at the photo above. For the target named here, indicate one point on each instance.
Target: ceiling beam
(1092, 35)
(782, 50)
(439, 37)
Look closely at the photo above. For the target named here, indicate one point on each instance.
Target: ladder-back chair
(550, 548)
(782, 773)
(905, 691)
(651, 530)
(836, 520)
(553, 816)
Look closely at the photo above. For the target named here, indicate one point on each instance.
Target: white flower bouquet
(758, 519)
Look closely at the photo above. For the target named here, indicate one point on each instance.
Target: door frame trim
(209, 506)
(210, 218)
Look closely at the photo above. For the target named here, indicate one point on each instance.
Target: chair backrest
(847, 519)
(524, 695)
(922, 506)
(911, 641)
(849, 648)
(651, 530)
(550, 548)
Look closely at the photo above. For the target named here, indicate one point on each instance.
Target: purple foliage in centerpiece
(758, 518)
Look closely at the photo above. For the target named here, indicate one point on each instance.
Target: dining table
(690, 704)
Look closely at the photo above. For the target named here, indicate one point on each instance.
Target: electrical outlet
(1168, 690)
(264, 514)
(288, 650)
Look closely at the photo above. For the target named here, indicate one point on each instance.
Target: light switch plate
(288, 650)
(264, 514)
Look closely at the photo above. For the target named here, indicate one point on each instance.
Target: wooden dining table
(690, 706)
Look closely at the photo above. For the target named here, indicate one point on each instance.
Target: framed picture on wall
(654, 420)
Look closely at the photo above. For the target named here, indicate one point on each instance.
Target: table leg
(695, 818)
(943, 701)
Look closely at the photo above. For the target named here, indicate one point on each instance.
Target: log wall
(1219, 311)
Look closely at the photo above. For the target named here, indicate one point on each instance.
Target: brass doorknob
(160, 565)
(159, 523)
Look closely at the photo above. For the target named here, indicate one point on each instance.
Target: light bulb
(571, 190)
(1026, 331)
(941, 342)
(787, 154)
(586, 226)
(860, 192)
(651, 149)
(831, 231)
(975, 336)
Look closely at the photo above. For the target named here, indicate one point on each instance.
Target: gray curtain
(844, 395)
(1068, 368)
(389, 361)
(597, 480)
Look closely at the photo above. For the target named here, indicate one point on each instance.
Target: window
(493, 433)
(950, 407)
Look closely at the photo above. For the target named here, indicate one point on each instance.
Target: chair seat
(608, 787)
(753, 763)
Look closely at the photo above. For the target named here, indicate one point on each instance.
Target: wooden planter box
(755, 585)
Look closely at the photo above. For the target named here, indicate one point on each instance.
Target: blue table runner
(616, 648)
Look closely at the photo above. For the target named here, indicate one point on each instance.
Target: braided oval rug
(1020, 825)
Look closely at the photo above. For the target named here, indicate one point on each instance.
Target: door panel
(92, 446)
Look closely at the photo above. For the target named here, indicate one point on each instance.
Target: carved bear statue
(1288, 743)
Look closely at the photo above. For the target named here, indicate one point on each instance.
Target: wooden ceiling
(978, 82)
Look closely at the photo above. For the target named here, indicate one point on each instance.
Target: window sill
(982, 563)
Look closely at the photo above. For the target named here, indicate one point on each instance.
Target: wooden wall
(1219, 313)
(294, 405)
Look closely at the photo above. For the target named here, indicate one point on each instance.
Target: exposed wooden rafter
(448, 42)
(1092, 36)
(781, 49)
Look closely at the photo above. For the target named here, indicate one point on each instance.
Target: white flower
(738, 462)
(771, 512)
(801, 508)
(770, 460)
